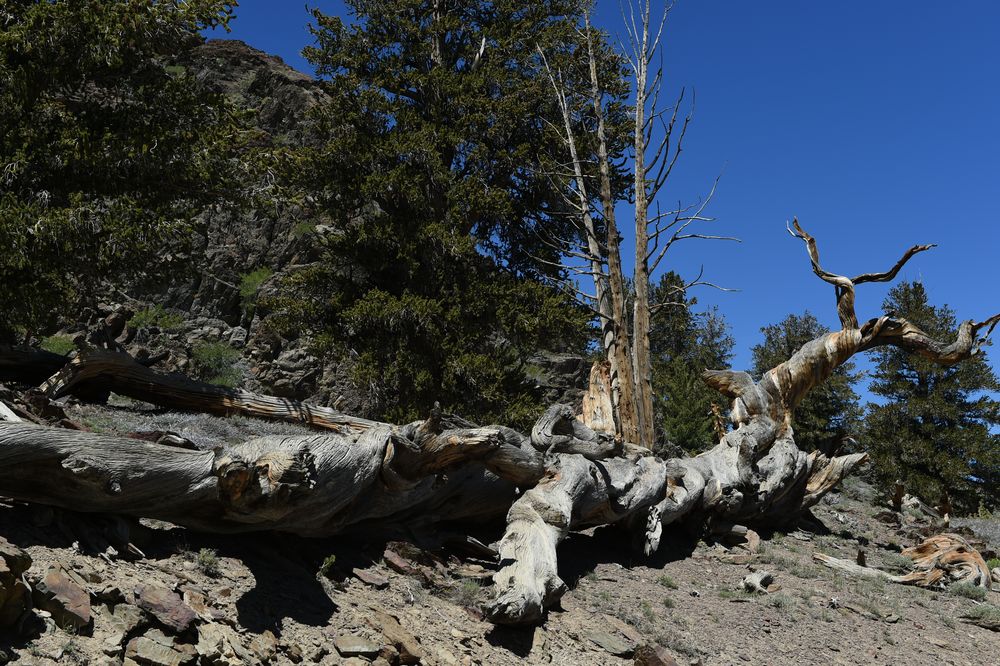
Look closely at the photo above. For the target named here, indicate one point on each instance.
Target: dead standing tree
(657, 142)
(361, 474)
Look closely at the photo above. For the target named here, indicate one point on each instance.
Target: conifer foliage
(107, 146)
(934, 431)
(439, 121)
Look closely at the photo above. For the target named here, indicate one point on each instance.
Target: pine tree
(683, 343)
(934, 431)
(830, 412)
(435, 179)
(107, 146)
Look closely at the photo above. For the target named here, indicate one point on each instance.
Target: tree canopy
(683, 343)
(934, 431)
(435, 177)
(106, 147)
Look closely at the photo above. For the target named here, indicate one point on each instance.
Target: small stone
(15, 597)
(219, 644)
(653, 655)
(166, 606)
(197, 602)
(238, 336)
(373, 579)
(354, 646)
(122, 621)
(264, 646)
(410, 651)
(60, 595)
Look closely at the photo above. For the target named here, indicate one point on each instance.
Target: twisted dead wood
(359, 473)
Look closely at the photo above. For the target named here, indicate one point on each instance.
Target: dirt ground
(687, 599)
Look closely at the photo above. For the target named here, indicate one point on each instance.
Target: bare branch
(891, 273)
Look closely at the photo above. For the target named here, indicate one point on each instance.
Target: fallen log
(937, 561)
(118, 372)
(360, 474)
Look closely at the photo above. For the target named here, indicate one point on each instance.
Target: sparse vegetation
(667, 582)
(983, 613)
(156, 316)
(58, 344)
(250, 284)
(969, 591)
(326, 568)
(214, 362)
(467, 593)
(208, 562)
(896, 562)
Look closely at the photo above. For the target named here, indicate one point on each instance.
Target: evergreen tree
(683, 343)
(106, 146)
(934, 431)
(830, 411)
(435, 178)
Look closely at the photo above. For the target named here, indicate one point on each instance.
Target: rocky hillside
(106, 591)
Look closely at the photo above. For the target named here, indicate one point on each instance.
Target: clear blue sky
(876, 123)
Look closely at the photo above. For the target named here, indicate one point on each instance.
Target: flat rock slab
(166, 606)
(156, 649)
(63, 597)
(355, 646)
(619, 647)
(369, 578)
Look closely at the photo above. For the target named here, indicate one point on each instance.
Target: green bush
(214, 362)
(326, 568)
(156, 315)
(968, 590)
(250, 284)
(58, 344)
(208, 562)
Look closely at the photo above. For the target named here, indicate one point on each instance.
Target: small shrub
(968, 590)
(983, 613)
(647, 611)
(736, 594)
(208, 562)
(667, 582)
(214, 363)
(668, 602)
(467, 593)
(897, 562)
(250, 284)
(58, 344)
(156, 315)
(326, 569)
(993, 563)
(782, 601)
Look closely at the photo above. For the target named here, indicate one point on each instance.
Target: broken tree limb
(28, 365)
(937, 561)
(120, 373)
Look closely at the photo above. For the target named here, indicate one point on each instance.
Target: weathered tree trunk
(361, 474)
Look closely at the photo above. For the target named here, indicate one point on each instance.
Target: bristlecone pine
(357, 474)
